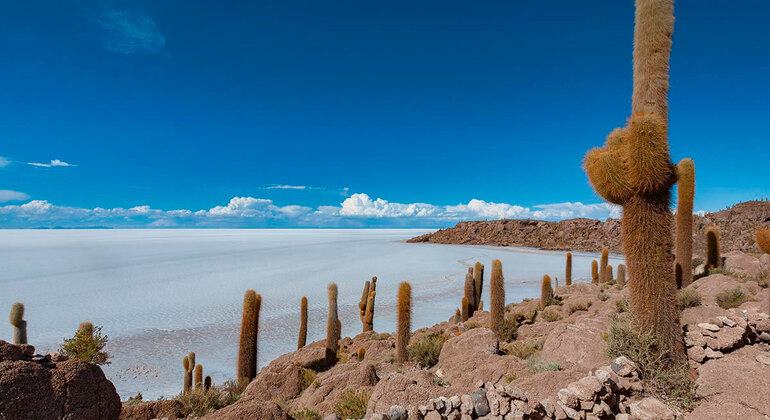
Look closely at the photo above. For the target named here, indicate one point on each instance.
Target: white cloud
(9, 195)
(286, 187)
(53, 163)
(357, 210)
(4, 162)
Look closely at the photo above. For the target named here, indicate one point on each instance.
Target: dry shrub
(87, 346)
(578, 306)
(306, 414)
(198, 402)
(351, 404)
(508, 329)
(731, 298)
(688, 298)
(523, 349)
(426, 350)
(550, 315)
(536, 365)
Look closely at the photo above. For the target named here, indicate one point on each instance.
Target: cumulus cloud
(9, 195)
(130, 31)
(357, 210)
(53, 163)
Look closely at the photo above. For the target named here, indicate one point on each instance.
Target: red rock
(170, 409)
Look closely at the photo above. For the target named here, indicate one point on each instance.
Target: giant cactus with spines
(19, 324)
(478, 283)
(332, 326)
(198, 377)
(713, 257)
(247, 344)
(634, 170)
(496, 297)
(302, 339)
(368, 320)
(685, 194)
(546, 292)
(568, 270)
(187, 378)
(622, 275)
(470, 291)
(464, 309)
(603, 265)
(404, 320)
(594, 271)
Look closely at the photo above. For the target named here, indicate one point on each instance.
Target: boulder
(250, 409)
(169, 409)
(742, 264)
(580, 343)
(651, 409)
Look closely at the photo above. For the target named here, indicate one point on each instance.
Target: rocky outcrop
(164, 409)
(53, 387)
(737, 225)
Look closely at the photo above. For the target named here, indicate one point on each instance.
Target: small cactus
(198, 377)
(685, 194)
(207, 383)
(568, 274)
(470, 291)
(19, 324)
(362, 302)
(247, 345)
(603, 266)
(594, 272)
(763, 240)
(496, 297)
(546, 292)
(610, 276)
(478, 282)
(713, 259)
(369, 314)
(464, 309)
(622, 275)
(361, 354)
(404, 320)
(86, 329)
(332, 326)
(191, 356)
(187, 378)
(302, 339)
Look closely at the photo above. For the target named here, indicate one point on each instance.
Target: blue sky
(378, 114)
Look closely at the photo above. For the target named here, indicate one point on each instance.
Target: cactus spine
(332, 327)
(763, 240)
(713, 259)
(247, 345)
(187, 378)
(369, 311)
(470, 292)
(404, 320)
(302, 340)
(622, 275)
(478, 283)
(19, 324)
(603, 266)
(496, 297)
(685, 195)
(594, 271)
(568, 274)
(465, 309)
(546, 292)
(634, 170)
(198, 377)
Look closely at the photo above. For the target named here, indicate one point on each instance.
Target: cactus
(622, 275)
(458, 317)
(546, 292)
(496, 297)
(634, 170)
(685, 194)
(86, 329)
(464, 309)
(247, 345)
(207, 383)
(361, 354)
(369, 312)
(481, 305)
(763, 240)
(19, 324)
(191, 356)
(404, 320)
(594, 272)
(302, 340)
(610, 276)
(555, 284)
(568, 274)
(713, 259)
(332, 326)
(470, 291)
(603, 266)
(198, 377)
(187, 378)
(362, 302)
(478, 283)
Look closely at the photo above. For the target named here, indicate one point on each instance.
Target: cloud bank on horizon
(358, 210)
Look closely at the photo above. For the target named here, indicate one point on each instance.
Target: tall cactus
(362, 302)
(568, 270)
(247, 345)
(470, 291)
(609, 275)
(478, 282)
(594, 271)
(404, 320)
(19, 324)
(546, 292)
(622, 275)
(198, 377)
(302, 339)
(634, 170)
(603, 265)
(713, 258)
(332, 327)
(763, 240)
(685, 194)
(465, 309)
(187, 378)
(207, 383)
(369, 312)
(496, 297)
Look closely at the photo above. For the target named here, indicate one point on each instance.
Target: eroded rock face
(38, 388)
(580, 343)
(169, 409)
(250, 409)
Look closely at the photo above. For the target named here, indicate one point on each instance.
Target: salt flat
(161, 293)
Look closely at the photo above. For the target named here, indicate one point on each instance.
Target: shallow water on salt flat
(161, 293)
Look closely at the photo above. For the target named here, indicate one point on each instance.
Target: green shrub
(688, 298)
(306, 414)
(198, 402)
(351, 404)
(662, 377)
(508, 328)
(578, 306)
(536, 365)
(550, 315)
(306, 378)
(426, 350)
(622, 305)
(523, 350)
(731, 298)
(87, 346)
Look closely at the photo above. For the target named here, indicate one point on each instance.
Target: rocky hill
(737, 225)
